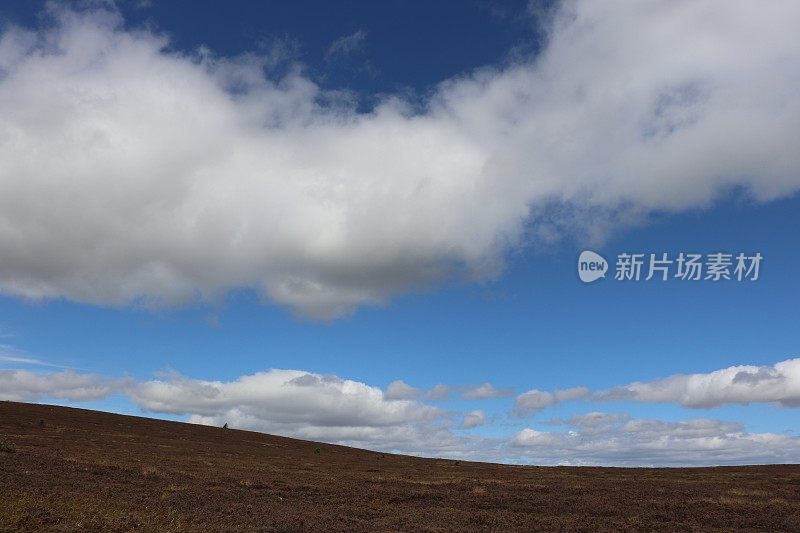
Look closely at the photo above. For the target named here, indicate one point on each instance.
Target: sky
(361, 223)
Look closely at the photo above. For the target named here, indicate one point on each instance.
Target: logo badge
(591, 266)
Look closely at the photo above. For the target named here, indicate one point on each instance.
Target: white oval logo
(591, 266)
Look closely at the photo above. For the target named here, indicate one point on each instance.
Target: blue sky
(498, 301)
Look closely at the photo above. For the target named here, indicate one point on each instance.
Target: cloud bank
(133, 173)
(329, 408)
(742, 384)
(614, 438)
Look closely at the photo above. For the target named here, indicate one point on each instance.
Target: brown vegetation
(67, 469)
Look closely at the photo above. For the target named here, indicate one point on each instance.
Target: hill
(64, 469)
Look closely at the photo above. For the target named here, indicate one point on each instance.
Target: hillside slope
(65, 469)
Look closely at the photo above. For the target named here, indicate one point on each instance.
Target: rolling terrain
(64, 469)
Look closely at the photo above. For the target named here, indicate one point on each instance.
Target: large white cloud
(133, 173)
(281, 396)
(742, 384)
(304, 405)
(323, 408)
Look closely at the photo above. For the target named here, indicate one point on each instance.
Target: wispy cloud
(11, 355)
(346, 45)
(24, 360)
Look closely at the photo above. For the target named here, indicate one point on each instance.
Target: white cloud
(440, 391)
(616, 439)
(400, 390)
(135, 174)
(312, 406)
(283, 402)
(531, 437)
(733, 385)
(25, 386)
(742, 384)
(283, 396)
(474, 419)
(332, 409)
(301, 404)
(484, 391)
(534, 400)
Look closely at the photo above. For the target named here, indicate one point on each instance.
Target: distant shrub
(7, 447)
(317, 451)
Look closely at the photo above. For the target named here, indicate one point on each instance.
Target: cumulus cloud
(617, 439)
(535, 400)
(400, 390)
(304, 405)
(281, 396)
(474, 419)
(333, 409)
(484, 391)
(133, 173)
(26, 386)
(743, 384)
(439, 391)
(285, 402)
